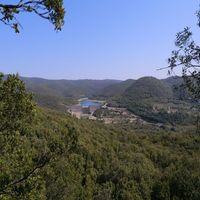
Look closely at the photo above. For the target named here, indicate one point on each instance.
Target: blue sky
(116, 39)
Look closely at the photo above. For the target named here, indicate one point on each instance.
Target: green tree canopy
(51, 10)
(27, 146)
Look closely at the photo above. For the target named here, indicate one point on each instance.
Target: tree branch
(52, 11)
(24, 178)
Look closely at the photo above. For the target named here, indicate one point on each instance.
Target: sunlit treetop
(51, 10)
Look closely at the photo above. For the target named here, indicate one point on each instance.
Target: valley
(104, 107)
(85, 108)
(146, 100)
(99, 110)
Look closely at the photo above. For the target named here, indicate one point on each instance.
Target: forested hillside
(99, 139)
(49, 155)
(57, 94)
(66, 88)
(105, 88)
(116, 89)
(148, 87)
(157, 101)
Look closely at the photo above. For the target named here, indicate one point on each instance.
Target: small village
(103, 112)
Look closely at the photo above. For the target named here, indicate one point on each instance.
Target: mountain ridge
(57, 94)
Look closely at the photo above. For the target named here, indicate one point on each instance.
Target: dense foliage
(48, 155)
(52, 11)
(26, 146)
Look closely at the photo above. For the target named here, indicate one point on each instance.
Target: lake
(89, 103)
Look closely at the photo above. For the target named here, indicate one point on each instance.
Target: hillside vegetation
(49, 155)
(115, 89)
(57, 94)
(148, 87)
(66, 88)
(157, 101)
(121, 162)
(154, 100)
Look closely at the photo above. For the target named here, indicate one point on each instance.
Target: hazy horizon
(58, 79)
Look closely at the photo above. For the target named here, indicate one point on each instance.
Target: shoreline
(92, 100)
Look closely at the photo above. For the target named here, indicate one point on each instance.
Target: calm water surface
(88, 103)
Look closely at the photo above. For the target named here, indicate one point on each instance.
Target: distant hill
(176, 84)
(145, 87)
(66, 88)
(155, 100)
(142, 96)
(116, 89)
(57, 94)
(148, 87)
(173, 80)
